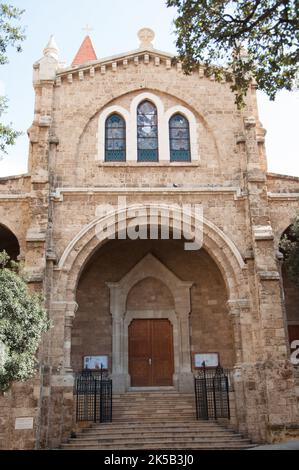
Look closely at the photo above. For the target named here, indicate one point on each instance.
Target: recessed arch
(149, 266)
(95, 112)
(9, 242)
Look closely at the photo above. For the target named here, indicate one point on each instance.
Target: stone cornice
(8, 196)
(236, 191)
(269, 275)
(283, 196)
(147, 56)
(130, 55)
(284, 177)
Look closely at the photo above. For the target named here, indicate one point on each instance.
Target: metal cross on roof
(87, 29)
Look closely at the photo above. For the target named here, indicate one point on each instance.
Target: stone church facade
(135, 128)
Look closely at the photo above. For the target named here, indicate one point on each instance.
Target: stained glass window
(115, 139)
(179, 138)
(147, 132)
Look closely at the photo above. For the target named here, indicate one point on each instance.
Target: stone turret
(45, 68)
(51, 49)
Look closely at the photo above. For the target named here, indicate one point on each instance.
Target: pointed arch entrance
(150, 356)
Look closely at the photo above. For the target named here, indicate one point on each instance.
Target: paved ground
(289, 445)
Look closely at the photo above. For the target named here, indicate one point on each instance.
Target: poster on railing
(206, 360)
(96, 362)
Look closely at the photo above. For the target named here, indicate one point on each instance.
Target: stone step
(161, 446)
(153, 398)
(140, 431)
(154, 393)
(156, 420)
(154, 409)
(149, 420)
(155, 426)
(157, 412)
(138, 426)
(151, 405)
(182, 401)
(164, 416)
(146, 437)
(158, 443)
(168, 429)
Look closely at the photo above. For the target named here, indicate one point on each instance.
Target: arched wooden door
(151, 353)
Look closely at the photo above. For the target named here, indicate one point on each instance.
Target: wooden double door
(151, 353)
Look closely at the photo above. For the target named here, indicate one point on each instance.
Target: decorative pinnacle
(51, 49)
(146, 36)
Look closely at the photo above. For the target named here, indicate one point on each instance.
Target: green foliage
(7, 134)
(289, 245)
(215, 33)
(22, 322)
(11, 35)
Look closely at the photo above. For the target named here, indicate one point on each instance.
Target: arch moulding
(218, 245)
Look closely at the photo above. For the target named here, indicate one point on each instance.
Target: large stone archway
(150, 267)
(81, 249)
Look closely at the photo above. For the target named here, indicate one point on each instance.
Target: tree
(252, 38)
(10, 35)
(289, 246)
(22, 322)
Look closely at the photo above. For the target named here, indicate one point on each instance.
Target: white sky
(115, 25)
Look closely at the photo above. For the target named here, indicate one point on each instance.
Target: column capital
(183, 312)
(236, 305)
(69, 307)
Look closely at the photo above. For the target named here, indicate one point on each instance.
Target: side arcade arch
(9, 242)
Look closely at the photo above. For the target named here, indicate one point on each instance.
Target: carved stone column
(71, 308)
(117, 310)
(234, 311)
(185, 379)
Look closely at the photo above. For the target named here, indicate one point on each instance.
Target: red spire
(85, 53)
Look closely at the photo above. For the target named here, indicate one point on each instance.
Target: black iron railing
(212, 393)
(93, 390)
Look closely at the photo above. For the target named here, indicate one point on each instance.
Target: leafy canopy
(289, 245)
(22, 322)
(252, 38)
(11, 35)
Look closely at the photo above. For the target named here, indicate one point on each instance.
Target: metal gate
(212, 393)
(93, 396)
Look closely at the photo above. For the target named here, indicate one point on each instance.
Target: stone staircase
(156, 420)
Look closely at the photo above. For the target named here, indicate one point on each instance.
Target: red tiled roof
(85, 53)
